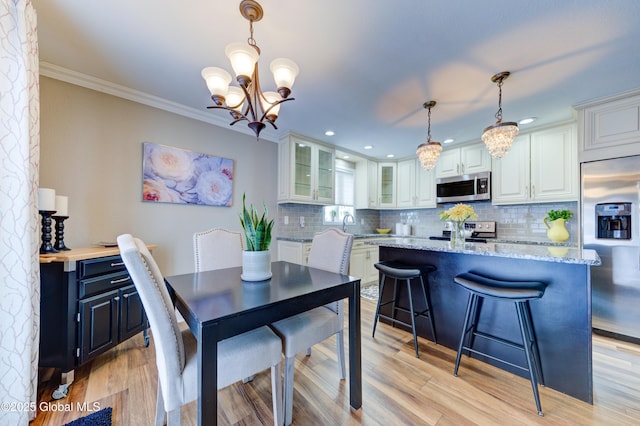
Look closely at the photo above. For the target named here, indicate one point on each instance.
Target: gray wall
(91, 151)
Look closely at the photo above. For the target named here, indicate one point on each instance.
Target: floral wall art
(174, 175)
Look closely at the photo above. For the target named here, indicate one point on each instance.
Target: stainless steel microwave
(471, 187)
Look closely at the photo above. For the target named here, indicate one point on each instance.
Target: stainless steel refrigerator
(610, 220)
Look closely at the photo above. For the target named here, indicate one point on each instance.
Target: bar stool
(406, 273)
(518, 292)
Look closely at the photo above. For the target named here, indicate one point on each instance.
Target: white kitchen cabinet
(366, 184)
(293, 251)
(610, 127)
(361, 262)
(463, 160)
(416, 186)
(387, 185)
(541, 167)
(306, 172)
(362, 259)
(406, 174)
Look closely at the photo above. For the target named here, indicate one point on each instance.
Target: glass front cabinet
(306, 172)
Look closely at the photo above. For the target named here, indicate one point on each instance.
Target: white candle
(62, 205)
(46, 199)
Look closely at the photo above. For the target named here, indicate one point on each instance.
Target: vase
(256, 265)
(457, 233)
(557, 231)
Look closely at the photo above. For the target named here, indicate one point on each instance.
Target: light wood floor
(398, 388)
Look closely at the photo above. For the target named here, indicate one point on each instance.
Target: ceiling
(366, 67)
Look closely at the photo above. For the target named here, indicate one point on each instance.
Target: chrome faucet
(344, 221)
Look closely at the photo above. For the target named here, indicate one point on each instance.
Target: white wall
(91, 151)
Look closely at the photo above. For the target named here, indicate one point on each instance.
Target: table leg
(355, 356)
(207, 375)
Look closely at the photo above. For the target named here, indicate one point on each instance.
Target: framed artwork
(174, 175)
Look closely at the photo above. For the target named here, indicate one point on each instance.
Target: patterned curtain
(19, 239)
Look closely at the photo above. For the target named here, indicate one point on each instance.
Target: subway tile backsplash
(518, 222)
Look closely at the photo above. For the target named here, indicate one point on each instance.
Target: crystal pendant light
(429, 151)
(499, 137)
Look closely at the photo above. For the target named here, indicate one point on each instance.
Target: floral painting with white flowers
(174, 175)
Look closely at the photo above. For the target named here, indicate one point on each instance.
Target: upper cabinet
(610, 127)
(387, 185)
(464, 160)
(366, 184)
(416, 186)
(306, 172)
(541, 167)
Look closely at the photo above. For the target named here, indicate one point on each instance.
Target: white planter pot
(256, 265)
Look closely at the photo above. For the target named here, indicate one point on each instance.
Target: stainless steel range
(481, 232)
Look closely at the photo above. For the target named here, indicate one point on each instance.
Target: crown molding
(64, 74)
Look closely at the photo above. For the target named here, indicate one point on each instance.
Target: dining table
(218, 304)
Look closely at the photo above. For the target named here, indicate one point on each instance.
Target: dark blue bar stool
(517, 292)
(406, 273)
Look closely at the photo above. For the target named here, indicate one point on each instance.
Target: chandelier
(499, 137)
(248, 102)
(429, 151)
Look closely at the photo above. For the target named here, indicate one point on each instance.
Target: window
(344, 195)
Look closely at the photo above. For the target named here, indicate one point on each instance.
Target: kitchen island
(562, 317)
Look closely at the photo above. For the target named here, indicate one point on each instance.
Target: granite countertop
(546, 253)
(308, 239)
(529, 241)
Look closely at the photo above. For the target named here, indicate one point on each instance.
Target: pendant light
(247, 101)
(499, 137)
(429, 151)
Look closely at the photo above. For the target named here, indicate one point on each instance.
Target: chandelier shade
(243, 58)
(499, 137)
(247, 101)
(284, 72)
(429, 151)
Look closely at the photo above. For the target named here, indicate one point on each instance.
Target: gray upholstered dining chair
(238, 356)
(330, 251)
(217, 248)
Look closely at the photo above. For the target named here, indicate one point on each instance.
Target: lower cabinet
(108, 319)
(363, 257)
(87, 307)
(361, 262)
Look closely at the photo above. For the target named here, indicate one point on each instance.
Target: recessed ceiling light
(329, 133)
(345, 157)
(390, 155)
(527, 120)
(448, 140)
(368, 147)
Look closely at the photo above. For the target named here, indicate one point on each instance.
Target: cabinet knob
(114, 264)
(116, 298)
(126, 295)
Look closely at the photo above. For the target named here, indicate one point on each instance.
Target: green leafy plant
(559, 214)
(257, 230)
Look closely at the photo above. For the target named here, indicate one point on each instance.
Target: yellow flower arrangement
(459, 213)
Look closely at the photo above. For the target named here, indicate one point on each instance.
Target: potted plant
(256, 257)
(555, 223)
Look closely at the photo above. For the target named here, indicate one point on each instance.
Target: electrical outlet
(286, 220)
(301, 221)
(361, 221)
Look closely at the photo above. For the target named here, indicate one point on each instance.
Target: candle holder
(59, 244)
(46, 246)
